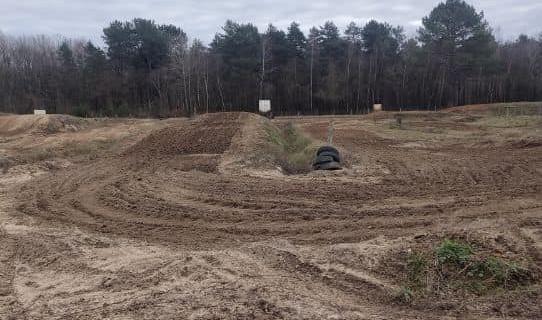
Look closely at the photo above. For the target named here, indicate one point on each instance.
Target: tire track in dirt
(10, 307)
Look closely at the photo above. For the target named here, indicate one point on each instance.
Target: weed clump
(452, 252)
(456, 266)
(495, 272)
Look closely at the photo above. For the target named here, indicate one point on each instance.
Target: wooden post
(330, 134)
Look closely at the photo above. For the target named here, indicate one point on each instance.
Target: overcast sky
(203, 18)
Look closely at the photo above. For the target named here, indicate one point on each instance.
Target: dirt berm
(212, 142)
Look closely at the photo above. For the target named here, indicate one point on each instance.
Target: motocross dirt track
(171, 223)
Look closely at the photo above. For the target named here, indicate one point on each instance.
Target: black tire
(334, 155)
(328, 166)
(327, 149)
(322, 159)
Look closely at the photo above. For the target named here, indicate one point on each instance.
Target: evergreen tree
(460, 39)
(239, 49)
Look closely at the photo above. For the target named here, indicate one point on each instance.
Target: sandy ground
(154, 223)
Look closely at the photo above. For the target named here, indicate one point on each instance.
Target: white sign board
(39, 112)
(377, 107)
(265, 106)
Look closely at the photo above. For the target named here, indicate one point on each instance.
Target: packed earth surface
(196, 218)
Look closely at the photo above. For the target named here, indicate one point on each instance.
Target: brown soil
(161, 230)
(208, 134)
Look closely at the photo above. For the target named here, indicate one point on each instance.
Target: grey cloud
(202, 19)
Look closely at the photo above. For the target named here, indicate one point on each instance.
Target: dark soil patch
(208, 134)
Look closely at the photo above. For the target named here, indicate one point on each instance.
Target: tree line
(150, 69)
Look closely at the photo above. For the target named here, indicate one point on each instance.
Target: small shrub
(452, 252)
(458, 268)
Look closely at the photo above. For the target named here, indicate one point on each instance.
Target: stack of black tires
(327, 158)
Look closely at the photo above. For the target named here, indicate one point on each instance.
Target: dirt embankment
(210, 143)
(162, 231)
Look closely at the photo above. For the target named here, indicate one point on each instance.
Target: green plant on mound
(494, 273)
(293, 151)
(450, 251)
(458, 267)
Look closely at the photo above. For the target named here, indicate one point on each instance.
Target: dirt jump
(440, 218)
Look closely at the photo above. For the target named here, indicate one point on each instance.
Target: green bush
(452, 252)
(458, 267)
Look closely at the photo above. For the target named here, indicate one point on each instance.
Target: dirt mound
(208, 143)
(208, 134)
(41, 124)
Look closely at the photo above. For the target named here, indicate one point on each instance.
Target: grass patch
(453, 266)
(492, 272)
(293, 150)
